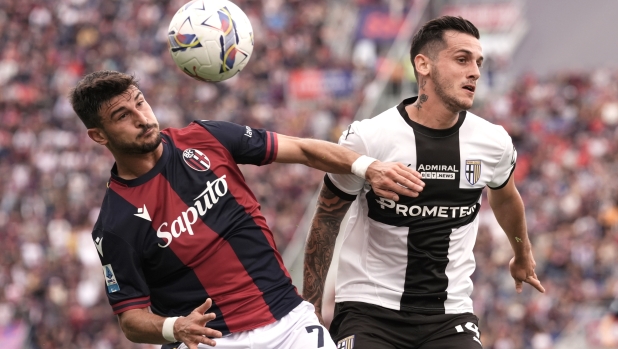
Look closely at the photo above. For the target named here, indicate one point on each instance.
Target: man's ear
(97, 135)
(422, 64)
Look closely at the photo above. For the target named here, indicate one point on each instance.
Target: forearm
(510, 215)
(142, 326)
(321, 155)
(321, 244)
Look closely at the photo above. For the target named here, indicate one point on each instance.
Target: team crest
(110, 279)
(196, 160)
(346, 343)
(473, 171)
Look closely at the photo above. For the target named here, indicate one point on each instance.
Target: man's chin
(151, 146)
(138, 149)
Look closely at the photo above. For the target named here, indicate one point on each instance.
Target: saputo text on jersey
(205, 201)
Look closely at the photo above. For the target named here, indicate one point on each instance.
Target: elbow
(126, 329)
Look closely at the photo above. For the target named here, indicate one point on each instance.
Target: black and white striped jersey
(416, 254)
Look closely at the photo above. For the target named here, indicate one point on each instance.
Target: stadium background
(550, 79)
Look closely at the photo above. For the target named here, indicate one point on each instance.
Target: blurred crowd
(52, 176)
(565, 130)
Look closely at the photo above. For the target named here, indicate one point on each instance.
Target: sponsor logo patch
(473, 171)
(437, 171)
(346, 343)
(248, 132)
(110, 279)
(143, 213)
(196, 160)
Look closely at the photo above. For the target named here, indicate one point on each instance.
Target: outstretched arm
(508, 208)
(386, 179)
(320, 246)
(142, 326)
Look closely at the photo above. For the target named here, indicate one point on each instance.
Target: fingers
(192, 328)
(518, 286)
(389, 180)
(205, 306)
(407, 178)
(532, 280)
(386, 194)
(199, 334)
(208, 341)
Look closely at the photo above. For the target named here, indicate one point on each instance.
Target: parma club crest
(196, 160)
(473, 171)
(346, 343)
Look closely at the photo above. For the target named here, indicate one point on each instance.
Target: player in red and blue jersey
(179, 225)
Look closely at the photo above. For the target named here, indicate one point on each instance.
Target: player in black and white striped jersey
(404, 271)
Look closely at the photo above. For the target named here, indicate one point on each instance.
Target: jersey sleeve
(348, 186)
(125, 284)
(247, 145)
(505, 167)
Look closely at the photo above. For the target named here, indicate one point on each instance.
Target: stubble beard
(452, 103)
(134, 148)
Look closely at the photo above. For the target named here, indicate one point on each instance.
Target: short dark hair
(430, 38)
(94, 90)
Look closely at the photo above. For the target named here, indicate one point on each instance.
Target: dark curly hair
(94, 90)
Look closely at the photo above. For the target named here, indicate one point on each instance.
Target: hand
(191, 330)
(391, 178)
(522, 270)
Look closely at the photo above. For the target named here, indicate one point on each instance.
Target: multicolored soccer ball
(210, 40)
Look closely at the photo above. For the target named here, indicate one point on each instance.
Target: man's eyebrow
(117, 111)
(123, 108)
(469, 53)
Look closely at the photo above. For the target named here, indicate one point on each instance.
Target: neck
(430, 111)
(131, 166)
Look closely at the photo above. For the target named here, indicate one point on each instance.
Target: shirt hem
(398, 307)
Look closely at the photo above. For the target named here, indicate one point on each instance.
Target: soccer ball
(210, 40)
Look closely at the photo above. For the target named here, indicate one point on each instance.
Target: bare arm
(386, 179)
(508, 208)
(142, 326)
(320, 246)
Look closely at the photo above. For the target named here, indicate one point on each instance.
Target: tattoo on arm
(321, 243)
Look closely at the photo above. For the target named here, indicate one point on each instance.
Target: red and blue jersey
(191, 229)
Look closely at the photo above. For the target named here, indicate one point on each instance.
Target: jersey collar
(430, 132)
(148, 175)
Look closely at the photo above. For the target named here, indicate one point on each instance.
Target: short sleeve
(505, 167)
(348, 186)
(247, 145)
(125, 284)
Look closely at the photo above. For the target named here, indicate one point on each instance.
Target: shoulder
(481, 129)
(384, 122)
(219, 126)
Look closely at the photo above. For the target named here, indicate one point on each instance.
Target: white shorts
(300, 329)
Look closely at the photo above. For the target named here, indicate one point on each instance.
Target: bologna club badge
(196, 160)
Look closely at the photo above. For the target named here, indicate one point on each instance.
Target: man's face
(456, 70)
(129, 124)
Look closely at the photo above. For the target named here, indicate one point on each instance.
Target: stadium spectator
(564, 128)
